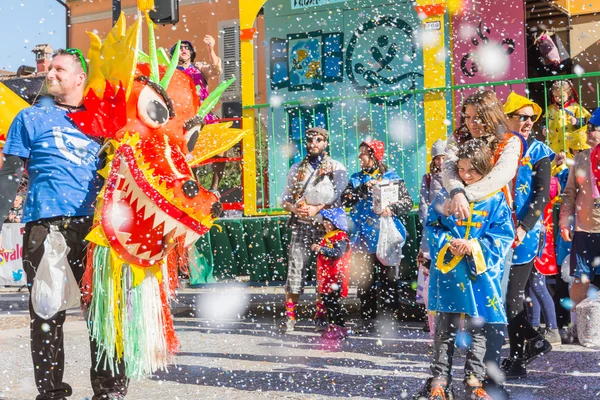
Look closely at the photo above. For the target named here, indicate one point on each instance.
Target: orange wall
(195, 21)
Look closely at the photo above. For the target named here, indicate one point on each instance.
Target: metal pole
(67, 21)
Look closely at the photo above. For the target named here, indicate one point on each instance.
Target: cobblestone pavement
(247, 359)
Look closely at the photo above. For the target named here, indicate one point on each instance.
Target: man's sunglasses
(592, 127)
(314, 139)
(524, 117)
(77, 52)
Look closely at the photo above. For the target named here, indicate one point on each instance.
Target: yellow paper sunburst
(114, 60)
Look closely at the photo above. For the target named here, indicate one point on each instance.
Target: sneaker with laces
(552, 336)
(477, 393)
(535, 348)
(426, 392)
(513, 368)
(320, 323)
(365, 326)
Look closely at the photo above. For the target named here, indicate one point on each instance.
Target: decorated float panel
(345, 66)
(489, 45)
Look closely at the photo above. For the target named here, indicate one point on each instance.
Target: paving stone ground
(247, 359)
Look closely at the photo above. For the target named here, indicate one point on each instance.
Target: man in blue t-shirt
(61, 163)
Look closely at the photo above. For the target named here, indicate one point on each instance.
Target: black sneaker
(536, 347)
(425, 392)
(513, 368)
(321, 323)
(364, 327)
(426, 327)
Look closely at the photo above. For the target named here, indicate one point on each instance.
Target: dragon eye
(192, 127)
(152, 109)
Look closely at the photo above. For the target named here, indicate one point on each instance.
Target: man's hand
(314, 210)
(459, 206)
(315, 248)
(304, 210)
(209, 41)
(565, 233)
(460, 247)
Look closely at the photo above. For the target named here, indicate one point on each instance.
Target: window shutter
(231, 57)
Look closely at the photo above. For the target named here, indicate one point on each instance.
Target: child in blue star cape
(467, 266)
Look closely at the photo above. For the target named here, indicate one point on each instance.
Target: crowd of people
(486, 248)
(481, 207)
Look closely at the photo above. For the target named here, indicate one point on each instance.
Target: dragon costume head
(150, 112)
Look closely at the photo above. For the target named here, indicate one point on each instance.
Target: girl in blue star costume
(466, 272)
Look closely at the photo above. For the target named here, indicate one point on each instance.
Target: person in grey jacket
(314, 183)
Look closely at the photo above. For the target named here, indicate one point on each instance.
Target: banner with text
(11, 256)
(298, 4)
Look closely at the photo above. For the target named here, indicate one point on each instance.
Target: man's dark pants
(47, 348)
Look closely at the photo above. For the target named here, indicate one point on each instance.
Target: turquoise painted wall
(344, 49)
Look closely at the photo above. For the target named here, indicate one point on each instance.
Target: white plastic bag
(588, 322)
(54, 286)
(389, 244)
(321, 193)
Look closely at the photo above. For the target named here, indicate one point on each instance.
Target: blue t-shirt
(62, 163)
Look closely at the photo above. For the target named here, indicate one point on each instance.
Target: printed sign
(433, 26)
(296, 4)
(11, 256)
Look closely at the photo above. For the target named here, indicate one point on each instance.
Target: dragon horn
(213, 98)
(172, 66)
(154, 74)
(163, 57)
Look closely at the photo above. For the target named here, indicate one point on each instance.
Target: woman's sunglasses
(524, 117)
(77, 52)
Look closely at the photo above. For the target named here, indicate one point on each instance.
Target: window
(279, 64)
(229, 51)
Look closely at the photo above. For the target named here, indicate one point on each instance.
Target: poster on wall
(304, 62)
(11, 256)
(489, 45)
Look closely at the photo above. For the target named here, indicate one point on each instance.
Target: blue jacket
(470, 284)
(529, 248)
(365, 227)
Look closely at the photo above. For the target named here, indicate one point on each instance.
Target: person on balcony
(200, 72)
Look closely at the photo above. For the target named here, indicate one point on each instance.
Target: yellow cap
(578, 140)
(515, 102)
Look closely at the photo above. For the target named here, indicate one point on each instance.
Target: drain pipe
(67, 20)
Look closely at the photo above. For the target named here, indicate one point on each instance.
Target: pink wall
(502, 25)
